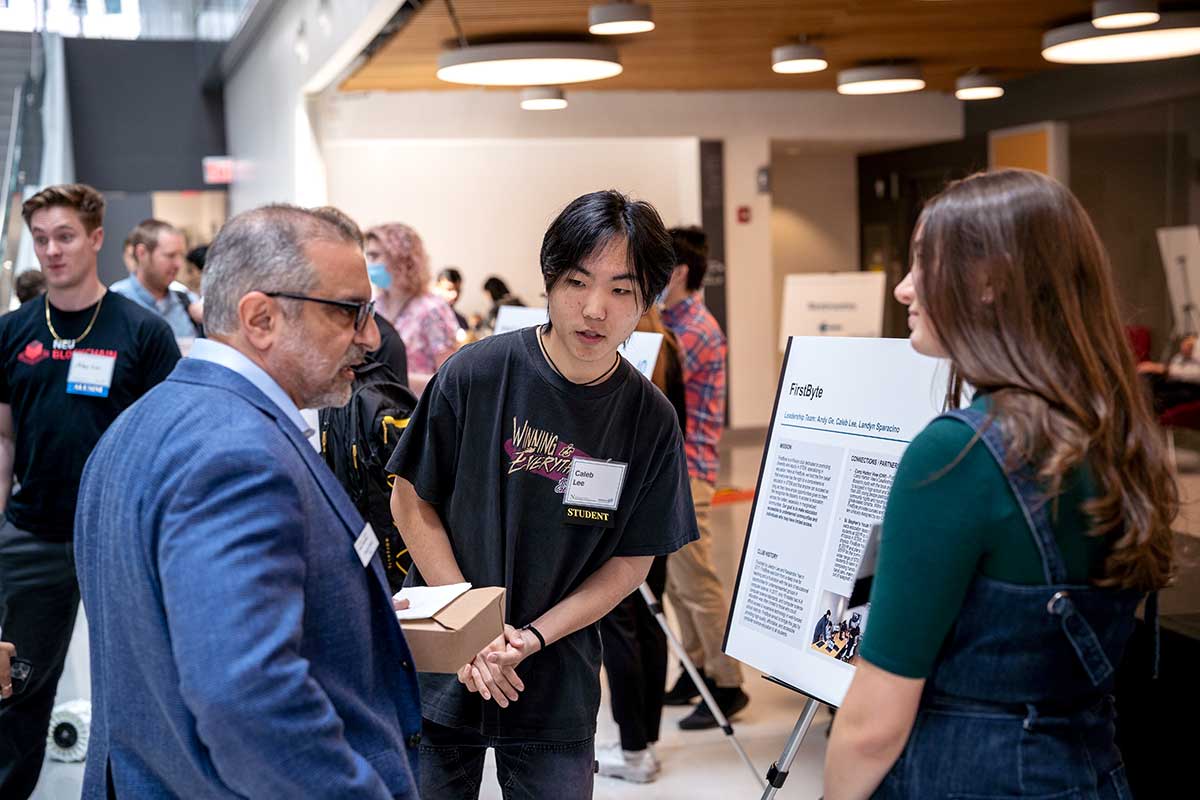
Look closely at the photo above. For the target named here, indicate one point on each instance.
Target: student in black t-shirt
(70, 362)
(541, 461)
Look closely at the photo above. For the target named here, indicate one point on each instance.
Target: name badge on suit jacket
(366, 544)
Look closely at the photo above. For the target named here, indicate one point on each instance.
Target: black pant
(1166, 393)
(635, 657)
(39, 598)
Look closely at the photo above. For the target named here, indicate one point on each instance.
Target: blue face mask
(379, 275)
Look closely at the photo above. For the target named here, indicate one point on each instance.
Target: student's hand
(399, 604)
(493, 673)
(7, 651)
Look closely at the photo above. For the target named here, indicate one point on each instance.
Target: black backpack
(357, 440)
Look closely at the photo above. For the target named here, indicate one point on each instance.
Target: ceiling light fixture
(543, 98)
(887, 79)
(529, 64)
(796, 59)
(1109, 14)
(1175, 35)
(978, 86)
(618, 19)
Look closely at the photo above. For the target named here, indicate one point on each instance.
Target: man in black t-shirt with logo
(541, 461)
(69, 364)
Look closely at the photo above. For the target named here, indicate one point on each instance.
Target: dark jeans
(635, 658)
(451, 765)
(39, 598)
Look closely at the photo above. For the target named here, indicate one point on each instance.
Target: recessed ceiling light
(978, 86)
(617, 19)
(1109, 14)
(1175, 35)
(529, 64)
(889, 79)
(794, 59)
(543, 98)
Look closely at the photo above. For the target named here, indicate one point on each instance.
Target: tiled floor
(704, 765)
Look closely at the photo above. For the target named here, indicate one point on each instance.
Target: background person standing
(69, 364)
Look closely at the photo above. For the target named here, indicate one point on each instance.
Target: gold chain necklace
(69, 344)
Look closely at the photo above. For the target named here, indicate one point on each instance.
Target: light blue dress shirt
(169, 308)
(219, 353)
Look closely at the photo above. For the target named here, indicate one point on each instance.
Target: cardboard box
(455, 635)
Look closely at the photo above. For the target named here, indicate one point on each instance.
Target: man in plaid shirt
(692, 583)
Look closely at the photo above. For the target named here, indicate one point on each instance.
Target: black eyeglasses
(362, 311)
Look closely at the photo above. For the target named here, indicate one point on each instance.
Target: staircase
(15, 49)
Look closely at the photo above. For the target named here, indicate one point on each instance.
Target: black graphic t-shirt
(490, 446)
(56, 431)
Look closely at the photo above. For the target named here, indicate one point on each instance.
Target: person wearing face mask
(1035, 520)
(398, 267)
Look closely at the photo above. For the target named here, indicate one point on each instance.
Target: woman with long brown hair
(1022, 531)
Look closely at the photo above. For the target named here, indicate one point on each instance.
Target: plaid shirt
(702, 346)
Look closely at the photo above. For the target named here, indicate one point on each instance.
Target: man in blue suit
(242, 632)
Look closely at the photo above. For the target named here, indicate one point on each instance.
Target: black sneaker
(683, 692)
(730, 701)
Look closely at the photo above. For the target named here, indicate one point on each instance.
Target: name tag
(90, 374)
(366, 544)
(595, 484)
(593, 492)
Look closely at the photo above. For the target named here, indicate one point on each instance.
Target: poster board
(641, 350)
(845, 410)
(1180, 251)
(832, 304)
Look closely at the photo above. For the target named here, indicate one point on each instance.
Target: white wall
(267, 120)
(483, 205)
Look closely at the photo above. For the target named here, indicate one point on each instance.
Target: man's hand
(493, 673)
(8, 651)
(400, 604)
(1151, 368)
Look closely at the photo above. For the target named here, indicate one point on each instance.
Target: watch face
(21, 670)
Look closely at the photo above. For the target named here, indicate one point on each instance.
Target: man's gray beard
(332, 398)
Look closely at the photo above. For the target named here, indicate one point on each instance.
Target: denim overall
(1019, 703)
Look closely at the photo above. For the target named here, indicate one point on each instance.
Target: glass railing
(208, 20)
(22, 165)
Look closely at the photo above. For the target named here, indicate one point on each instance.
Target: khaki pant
(698, 599)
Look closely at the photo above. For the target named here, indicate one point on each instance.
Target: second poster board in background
(832, 304)
(845, 411)
(1180, 250)
(641, 350)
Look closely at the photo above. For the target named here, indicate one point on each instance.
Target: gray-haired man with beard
(243, 638)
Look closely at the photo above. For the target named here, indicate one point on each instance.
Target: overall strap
(1079, 632)
(1025, 489)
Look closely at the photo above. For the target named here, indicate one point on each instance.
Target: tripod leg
(778, 772)
(657, 610)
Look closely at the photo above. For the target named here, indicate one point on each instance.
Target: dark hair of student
(590, 222)
(495, 288)
(196, 256)
(29, 284)
(691, 248)
(452, 275)
(1018, 287)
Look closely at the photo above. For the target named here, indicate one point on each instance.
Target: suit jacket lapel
(190, 370)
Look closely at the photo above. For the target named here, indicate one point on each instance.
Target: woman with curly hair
(399, 269)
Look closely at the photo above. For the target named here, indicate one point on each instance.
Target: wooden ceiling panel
(726, 44)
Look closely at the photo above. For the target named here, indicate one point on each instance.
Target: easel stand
(778, 772)
(657, 610)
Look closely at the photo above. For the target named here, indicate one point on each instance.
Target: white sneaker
(639, 766)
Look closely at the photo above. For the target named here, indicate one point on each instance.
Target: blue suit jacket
(238, 646)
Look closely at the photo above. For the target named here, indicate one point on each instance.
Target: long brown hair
(1018, 288)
